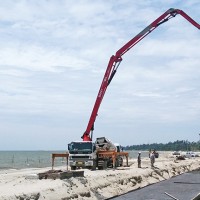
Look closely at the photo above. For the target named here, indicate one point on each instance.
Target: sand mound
(24, 185)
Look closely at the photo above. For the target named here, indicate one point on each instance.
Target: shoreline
(95, 185)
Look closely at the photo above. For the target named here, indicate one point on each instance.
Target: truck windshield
(80, 147)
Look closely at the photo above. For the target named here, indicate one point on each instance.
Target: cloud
(54, 54)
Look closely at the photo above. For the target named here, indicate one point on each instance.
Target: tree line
(179, 145)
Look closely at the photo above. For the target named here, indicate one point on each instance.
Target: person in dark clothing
(139, 160)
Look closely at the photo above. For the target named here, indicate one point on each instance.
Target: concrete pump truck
(88, 154)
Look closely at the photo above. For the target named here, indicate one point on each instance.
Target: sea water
(38, 159)
(28, 159)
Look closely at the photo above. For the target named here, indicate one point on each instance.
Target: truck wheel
(73, 167)
(102, 164)
(94, 167)
(105, 164)
(119, 162)
(100, 167)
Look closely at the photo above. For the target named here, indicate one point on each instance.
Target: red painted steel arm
(117, 58)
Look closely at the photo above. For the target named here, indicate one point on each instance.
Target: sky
(53, 57)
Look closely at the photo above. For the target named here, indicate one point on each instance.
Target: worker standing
(152, 158)
(139, 160)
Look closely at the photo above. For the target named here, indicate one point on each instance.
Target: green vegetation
(179, 145)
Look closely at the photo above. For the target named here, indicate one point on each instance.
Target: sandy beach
(24, 184)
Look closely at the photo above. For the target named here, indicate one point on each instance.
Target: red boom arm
(117, 58)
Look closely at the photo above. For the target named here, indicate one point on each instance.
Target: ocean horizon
(29, 159)
(38, 158)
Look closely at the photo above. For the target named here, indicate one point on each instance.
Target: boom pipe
(116, 59)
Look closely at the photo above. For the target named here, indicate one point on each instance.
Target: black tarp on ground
(183, 187)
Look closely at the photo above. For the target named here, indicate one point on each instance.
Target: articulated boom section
(116, 59)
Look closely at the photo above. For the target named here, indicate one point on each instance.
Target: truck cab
(82, 155)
